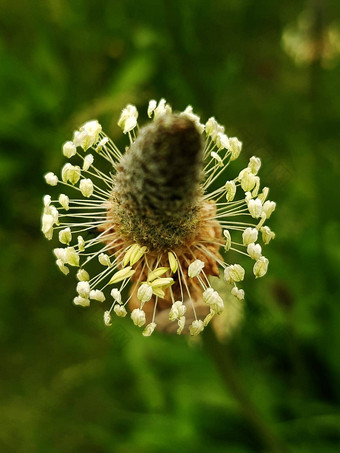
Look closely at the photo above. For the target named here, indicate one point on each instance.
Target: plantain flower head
(156, 220)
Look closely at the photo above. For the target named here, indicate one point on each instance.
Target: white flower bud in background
(269, 208)
(196, 327)
(234, 273)
(227, 236)
(64, 201)
(107, 318)
(65, 236)
(82, 301)
(177, 311)
(88, 161)
(239, 293)
(235, 147)
(138, 317)
(260, 267)
(249, 235)
(149, 329)
(255, 208)
(51, 179)
(69, 149)
(254, 251)
(82, 275)
(83, 289)
(254, 164)
(267, 234)
(104, 259)
(86, 187)
(120, 310)
(144, 293)
(195, 268)
(230, 188)
(96, 294)
(115, 293)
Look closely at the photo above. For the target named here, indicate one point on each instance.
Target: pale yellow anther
(123, 274)
(172, 262)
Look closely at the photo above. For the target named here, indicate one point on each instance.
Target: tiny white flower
(161, 109)
(254, 251)
(195, 268)
(260, 267)
(128, 118)
(70, 173)
(83, 289)
(83, 275)
(65, 236)
(254, 164)
(81, 243)
(64, 269)
(115, 293)
(71, 256)
(269, 208)
(227, 236)
(196, 327)
(267, 234)
(217, 158)
(138, 317)
(234, 273)
(86, 187)
(88, 161)
(88, 135)
(149, 329)
(181, 325)
(101, 145)
(222, 141)
(47, 225)
(60, 254)
(47, 200)
(177, 311)
(255, 208)
(239, 293)
(120, 310)
(212, 128)
(104, 259)
(213, 299)
(264, 194)
(247, 179)
(144, 293)
(107, 318)
(64, 201)
(82, 301)
(235, 147)
(249, 235)
(51, 179)
(230, 188)
(69, 149)
(151, 107)
(96, 294)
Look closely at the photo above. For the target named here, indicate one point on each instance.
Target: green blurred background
(269, 71)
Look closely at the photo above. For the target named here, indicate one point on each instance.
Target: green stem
(223, 360)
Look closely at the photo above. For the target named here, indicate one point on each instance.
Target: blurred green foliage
(68, 384)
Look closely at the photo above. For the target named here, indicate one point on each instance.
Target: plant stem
(223, 360)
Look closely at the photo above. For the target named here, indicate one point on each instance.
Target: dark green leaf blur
(269, 71)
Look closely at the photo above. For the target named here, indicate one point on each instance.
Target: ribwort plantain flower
(154, 218)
